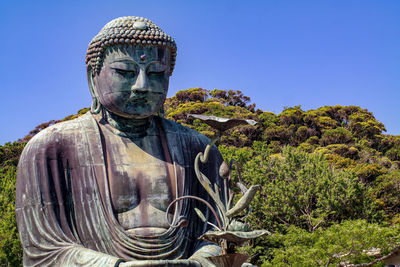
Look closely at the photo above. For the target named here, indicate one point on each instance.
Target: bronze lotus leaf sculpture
(222, 124)
(230, 230)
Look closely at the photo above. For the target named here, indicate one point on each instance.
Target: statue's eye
(124, 69)
(157, 68)
(125, 73)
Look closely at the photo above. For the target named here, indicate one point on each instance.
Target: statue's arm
(45, 245)
(44, 227)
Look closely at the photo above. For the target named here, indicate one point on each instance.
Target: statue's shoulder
(174, 127)
(62, 131)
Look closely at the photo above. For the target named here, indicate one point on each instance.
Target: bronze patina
(94, 191)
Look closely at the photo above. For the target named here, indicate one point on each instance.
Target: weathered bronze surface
(94, 191)
(231, 260)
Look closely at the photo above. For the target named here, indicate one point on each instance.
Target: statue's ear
(90, 76)
(96, 106)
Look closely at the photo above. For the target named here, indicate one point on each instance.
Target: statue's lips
(138, 101)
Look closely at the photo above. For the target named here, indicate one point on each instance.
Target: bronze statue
(94, 191)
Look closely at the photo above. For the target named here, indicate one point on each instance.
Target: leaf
(230, 202)
(232, 236)
(242, 188)
(200, 214)
(243, 202)
(221, 208)
(222, 124)
(205, 182)
(217, 191)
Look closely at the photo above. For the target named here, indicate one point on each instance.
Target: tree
(10, 246)
(229, 104)
(353, 241)
(299, 190)
(338, 135)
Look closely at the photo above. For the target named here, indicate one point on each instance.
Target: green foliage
(267, 119)
(303, 190)
(9, 154)
(299, 190)
(193, 95)
(233, 98)
(10, 246)
(363, 124)
(338, 161)
(343, 150)
(221, 103)
(386, 191)
(338, 135)
(292, 115)
(355, 241)
(368, 172)
(71, 117)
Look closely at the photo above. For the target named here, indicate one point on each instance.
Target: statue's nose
(141, 83)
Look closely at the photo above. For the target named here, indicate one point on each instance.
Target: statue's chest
(138, 178)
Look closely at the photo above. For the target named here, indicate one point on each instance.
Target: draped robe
(63, 205)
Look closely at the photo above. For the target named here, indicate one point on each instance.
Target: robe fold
(63, 205)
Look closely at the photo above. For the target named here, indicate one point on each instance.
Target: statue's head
(128, 65)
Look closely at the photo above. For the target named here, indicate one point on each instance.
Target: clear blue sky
(280, 53)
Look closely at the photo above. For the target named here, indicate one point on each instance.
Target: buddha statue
(94, 191)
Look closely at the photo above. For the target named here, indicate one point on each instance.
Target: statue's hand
(206, 263)
(203, 262)
(161, 263)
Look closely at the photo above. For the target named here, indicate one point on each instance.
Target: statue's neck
(127, 126)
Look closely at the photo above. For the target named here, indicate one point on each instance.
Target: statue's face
(133, 81)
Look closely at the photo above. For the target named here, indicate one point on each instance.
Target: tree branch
(372, 262)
